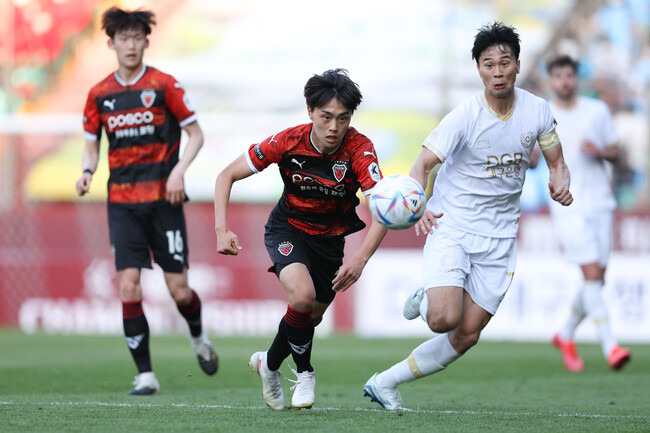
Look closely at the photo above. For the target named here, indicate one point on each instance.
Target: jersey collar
(318, 150)
(504, 117)
(124, 83)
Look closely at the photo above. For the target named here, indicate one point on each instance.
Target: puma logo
(299, 164)
(110, 104)
(369, 153)
(134, 342)
(300, 349)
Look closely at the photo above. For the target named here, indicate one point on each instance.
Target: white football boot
(388, 398)
(207, 356)
(145, 384)
(271, 386)
(412, 304)
(303, 390)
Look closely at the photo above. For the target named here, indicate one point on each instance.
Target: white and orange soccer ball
(397, 201)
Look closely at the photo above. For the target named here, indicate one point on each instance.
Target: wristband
(89, 171)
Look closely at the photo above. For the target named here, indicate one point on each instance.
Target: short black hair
(320, 89)
(116, 19)
(562, 60)
(495, 33)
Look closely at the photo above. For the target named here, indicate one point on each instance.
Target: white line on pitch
(357, 409)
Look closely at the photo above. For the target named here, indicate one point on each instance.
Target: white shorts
(585, 238)
(483, 266)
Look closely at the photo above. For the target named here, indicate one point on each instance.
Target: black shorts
(323, 256)
(137, 234)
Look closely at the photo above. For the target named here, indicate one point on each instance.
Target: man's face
(498, 69)
(331, 122)
(129, 45)
(564, 82)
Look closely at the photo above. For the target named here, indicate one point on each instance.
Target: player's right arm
(227, 241)
(420, 171)
(89, 162)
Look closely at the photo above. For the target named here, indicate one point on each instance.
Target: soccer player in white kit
(471, 220)
(584, 229)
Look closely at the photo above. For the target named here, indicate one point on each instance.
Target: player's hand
(427, 223)
(175, 194)
(347, 275)
(560, 195)
(228, 243)
(83, 184)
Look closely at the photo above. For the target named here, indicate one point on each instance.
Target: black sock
(136, 331)
(300, 333)
(192, 314)
(279, 349)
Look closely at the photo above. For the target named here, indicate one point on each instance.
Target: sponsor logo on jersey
(373, 169)
(258, 151)
(527, 139)
(339, 171)
(110, 104)
(130, 119)
(285, 248)
(147, 97)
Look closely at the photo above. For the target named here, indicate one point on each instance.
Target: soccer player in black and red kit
(143, 111)
(323, 164)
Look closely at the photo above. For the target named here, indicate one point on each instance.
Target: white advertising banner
(535, 306)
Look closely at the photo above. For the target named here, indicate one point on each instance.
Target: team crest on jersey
(339, 171)
(285, 248)
(147, 97)
(527, 139)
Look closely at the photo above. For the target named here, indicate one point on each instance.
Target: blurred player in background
(143, 111)
(584, 229)
(484, 146)
(323, 164)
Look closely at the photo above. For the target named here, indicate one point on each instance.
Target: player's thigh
(445, 267)
(326, 256)
(492, 271)
(603, 226)
(445, 304)
(128, 236)
(168, 238)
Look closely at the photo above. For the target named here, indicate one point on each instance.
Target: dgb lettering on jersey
(506, 165)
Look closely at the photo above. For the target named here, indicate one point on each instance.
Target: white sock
(575, 316)
(596, 310)
(429, 357)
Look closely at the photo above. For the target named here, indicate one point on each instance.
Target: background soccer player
(484, 146)
(584, 229)
(322, 164)
(142, 111)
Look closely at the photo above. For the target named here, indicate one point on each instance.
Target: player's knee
(302, 302)
(440, 323)
(463, 342)
(181, 295)
(130, 291)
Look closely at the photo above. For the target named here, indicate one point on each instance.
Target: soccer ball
(397, 201)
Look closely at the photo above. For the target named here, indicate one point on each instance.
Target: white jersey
(485, 157)
(589, 120)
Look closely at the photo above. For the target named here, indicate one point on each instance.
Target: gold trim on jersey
(501, 117)
(549, 140)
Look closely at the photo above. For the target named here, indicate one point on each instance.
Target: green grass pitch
(52, 383)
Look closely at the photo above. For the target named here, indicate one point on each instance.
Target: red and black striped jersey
(320, 190)
(143, 122)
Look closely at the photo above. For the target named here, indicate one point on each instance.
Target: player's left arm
(559, 177)
(350, 271)
(175, 189)
(609, 153)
